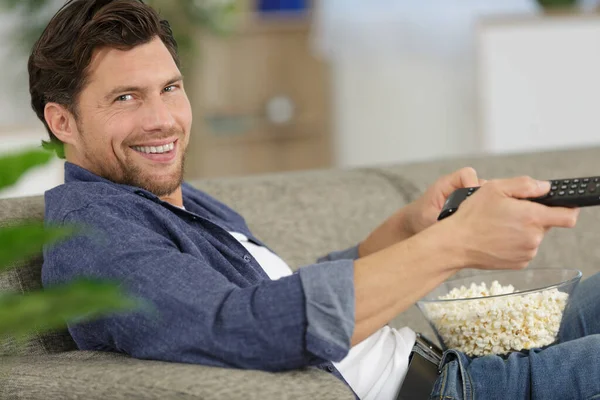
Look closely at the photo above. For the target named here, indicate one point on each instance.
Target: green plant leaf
(19, 242)
(55, 146)
(52, 308)
(13, 166)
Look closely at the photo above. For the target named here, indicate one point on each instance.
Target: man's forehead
(140, 65)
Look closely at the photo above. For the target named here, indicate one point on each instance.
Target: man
(104, 79)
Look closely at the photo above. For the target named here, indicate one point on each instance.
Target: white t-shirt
(374, 368)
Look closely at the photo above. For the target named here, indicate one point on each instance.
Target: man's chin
(161, 188)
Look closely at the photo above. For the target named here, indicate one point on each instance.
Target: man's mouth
(165, 148)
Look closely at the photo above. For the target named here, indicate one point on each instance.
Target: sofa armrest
(97, 375)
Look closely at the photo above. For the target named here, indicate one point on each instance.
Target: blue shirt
(212, 302)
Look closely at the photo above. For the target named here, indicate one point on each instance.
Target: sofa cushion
(106, 376)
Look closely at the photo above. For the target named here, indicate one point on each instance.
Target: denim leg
(565, 371)
(582, 316)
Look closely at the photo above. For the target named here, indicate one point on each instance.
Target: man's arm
(419, 214)
(493, 229)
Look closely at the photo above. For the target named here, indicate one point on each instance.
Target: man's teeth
(155, 149)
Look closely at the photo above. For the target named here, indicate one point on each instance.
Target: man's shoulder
(80, 196)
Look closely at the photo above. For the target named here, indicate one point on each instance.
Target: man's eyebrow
(126, 89)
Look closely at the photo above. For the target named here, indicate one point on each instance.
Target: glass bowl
(486, 320)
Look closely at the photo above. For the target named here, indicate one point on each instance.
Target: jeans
(567, 370)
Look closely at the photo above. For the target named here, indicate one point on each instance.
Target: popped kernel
(500, 325)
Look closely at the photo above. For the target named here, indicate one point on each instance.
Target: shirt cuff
(329, 295)
(348, 254)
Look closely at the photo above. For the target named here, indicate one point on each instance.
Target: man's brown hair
(58, 64)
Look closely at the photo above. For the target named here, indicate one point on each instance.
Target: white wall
(404, 77)
(421, 80)
(19, 126)
(14, 96)
(539, 83)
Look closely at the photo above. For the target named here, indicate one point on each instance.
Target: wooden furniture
(265, 64)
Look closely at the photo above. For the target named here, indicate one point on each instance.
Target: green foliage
(38, 311)
(557, 4)
(20, 242)
(185, 17)
(55, 146)
(13, 166)
(49, 309)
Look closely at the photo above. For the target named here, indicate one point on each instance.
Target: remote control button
(592, 189)
(555, 182)
(575, 180)
(554, 187)
(469, 193)
(573, 186)
(566, 181)
(561, 193)
(586, 180)
(596, 179)
(564, 187)
(571, 192)
(581, 191)
(551, 194)
(583, 185)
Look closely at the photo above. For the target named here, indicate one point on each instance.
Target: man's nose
(157, 116)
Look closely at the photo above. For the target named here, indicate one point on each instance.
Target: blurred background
(281, 85)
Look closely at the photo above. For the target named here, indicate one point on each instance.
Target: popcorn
(500, 325)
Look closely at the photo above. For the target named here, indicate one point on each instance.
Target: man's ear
(61, 122)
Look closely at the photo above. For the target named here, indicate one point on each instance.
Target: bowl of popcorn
(500, 312)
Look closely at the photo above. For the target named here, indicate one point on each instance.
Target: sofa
(301, 215)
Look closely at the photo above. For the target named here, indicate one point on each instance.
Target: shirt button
(330, 368)
(247, 258)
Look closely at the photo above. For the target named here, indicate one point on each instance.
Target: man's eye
(170, 88)
(124, 97)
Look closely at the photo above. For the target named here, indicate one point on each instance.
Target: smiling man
(132, 122)
(105, 81)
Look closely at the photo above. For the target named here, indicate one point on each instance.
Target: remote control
(574, 192)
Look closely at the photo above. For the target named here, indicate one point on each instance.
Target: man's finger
(523, 187)
(464, 177)
(559, 217)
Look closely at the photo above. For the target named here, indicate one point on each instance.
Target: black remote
(573, 192)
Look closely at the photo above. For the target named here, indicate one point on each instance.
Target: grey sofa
(302, 216)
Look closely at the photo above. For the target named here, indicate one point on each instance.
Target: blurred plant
(186, 17)
(21, 315)
(557, 4)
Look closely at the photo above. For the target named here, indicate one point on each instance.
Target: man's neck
(175, 198)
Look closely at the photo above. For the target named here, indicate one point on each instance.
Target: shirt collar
(75, 173)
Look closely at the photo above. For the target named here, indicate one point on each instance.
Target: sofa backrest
(25, 277)
(300, 215)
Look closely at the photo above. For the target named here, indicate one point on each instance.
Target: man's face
(134, 118)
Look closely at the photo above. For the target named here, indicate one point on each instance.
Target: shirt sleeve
(329, 296)
(200, 312)
(347, 254)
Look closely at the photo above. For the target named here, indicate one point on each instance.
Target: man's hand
(498, 230)
(419, 214)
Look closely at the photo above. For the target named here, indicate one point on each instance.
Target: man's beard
(132, 175)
